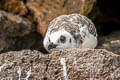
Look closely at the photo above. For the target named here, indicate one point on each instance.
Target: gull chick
(70, 31)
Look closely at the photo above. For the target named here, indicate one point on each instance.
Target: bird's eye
(62, 39)
(70, 40)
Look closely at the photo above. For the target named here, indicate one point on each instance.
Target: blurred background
(23, 23)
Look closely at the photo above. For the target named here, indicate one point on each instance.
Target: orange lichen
(45, 10)
(14, 6)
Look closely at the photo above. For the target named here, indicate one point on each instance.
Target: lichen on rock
(14, 6)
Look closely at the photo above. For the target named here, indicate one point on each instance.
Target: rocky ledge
(69, 64)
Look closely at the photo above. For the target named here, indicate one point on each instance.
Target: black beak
(51, 46)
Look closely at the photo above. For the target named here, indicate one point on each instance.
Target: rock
(69, 64)
(109, 11)
(13, 25)
(2, 44)
(110, 42)
(18, 33)
(22, 64)
(83, 64)
(14, 6)
(44, 11)
(107, 16)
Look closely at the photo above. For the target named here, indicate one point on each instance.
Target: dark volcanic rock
(70, 64)
(110, 42)
(18, 33)
(13, 25)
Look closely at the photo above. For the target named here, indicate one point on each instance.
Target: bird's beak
(51, 46)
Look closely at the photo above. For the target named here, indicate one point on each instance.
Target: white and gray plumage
(70, 31)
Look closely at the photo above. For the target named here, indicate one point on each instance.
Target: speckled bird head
(60, 39)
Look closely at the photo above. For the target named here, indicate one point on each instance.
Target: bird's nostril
(51, 46)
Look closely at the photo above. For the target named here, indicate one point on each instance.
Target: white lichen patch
(2, 66)
(19, 72)
(75, 61)
(28, 74)
(63, 63)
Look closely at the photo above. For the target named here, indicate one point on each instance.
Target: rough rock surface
(71, 64)
(17, 33)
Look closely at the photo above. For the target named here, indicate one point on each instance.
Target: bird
(70, 31)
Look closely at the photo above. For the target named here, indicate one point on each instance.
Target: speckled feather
(78, 32)
(72, 23)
